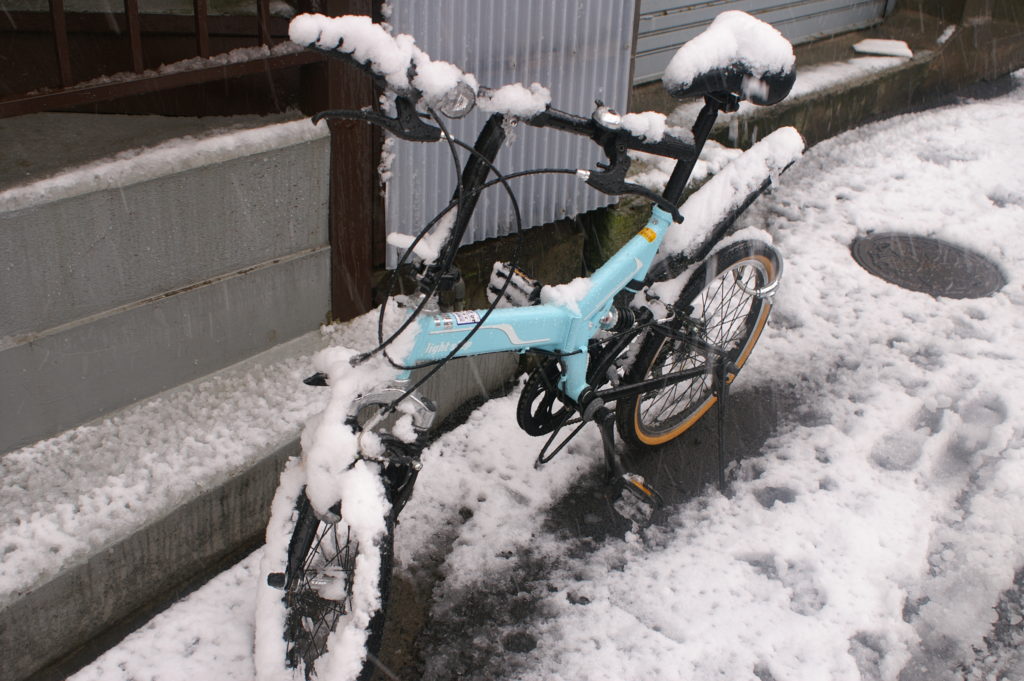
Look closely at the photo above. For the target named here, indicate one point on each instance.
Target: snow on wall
(175, 156)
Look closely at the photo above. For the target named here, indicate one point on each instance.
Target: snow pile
(653, 171)
(567, 295)
(649, 125)
(329, 445)
(390, 57)
(396, 57)
(821, 76)
(238, 55)
(429, 247)
(730, 187)
(199, 638)
(515, 100)
(733, 37)
(888, 48)
(67, 498)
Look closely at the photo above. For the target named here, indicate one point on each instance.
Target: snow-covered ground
(877, 534)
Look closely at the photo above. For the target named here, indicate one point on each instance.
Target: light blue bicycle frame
(554, 328)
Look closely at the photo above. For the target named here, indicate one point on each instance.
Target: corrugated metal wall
(664, 25)
(579, 49)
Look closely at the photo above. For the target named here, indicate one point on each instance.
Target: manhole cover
(928, 265)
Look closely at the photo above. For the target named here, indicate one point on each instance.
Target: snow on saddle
(737, 54)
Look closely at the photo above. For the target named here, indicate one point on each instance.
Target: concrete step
(102, 522)
(129, 275)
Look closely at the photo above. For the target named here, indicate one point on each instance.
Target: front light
(458, 101)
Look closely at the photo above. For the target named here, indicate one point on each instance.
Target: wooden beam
(131, 14)
(263, 21)
(351, 211)
(60, 41)
(356, 209)
(147, 83)
(85, 22)
(202, 20)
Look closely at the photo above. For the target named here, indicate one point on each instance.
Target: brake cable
(501, 179)
(440, 363)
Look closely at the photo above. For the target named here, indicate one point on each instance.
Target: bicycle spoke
(723, 313)
(312, 618)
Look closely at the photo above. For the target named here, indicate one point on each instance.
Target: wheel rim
(735, 316)
(320, 594)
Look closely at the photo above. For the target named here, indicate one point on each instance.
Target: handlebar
(602, 133)
(398, 66)
(615, 141)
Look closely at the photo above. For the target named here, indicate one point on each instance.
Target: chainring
(541, 407)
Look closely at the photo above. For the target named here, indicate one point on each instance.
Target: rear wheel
(725, 308)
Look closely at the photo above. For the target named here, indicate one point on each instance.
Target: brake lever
(406, 124)
(612, 179)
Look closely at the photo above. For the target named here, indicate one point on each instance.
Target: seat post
(713, 103)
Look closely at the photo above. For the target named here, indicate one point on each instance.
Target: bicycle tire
(729, 313)
(317, 602)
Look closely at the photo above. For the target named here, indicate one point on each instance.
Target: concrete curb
(125, 581)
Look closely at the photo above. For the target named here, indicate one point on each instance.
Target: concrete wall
(114, 295)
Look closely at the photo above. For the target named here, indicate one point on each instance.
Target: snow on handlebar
(409, 71)
(406, 68)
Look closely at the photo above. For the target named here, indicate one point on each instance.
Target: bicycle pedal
(521, 290)
(638, 501)
(277, 580)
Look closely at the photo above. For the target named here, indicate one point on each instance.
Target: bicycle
(659, 331)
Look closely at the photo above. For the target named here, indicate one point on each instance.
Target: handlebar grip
(669, 146)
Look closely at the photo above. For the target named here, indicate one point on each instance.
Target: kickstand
(721, 387)
(637, 500)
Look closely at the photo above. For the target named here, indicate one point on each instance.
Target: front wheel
(324, 589)
(722, 310)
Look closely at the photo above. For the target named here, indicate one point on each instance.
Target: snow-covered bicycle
(648, 343)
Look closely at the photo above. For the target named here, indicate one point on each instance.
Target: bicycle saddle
(737, 54)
